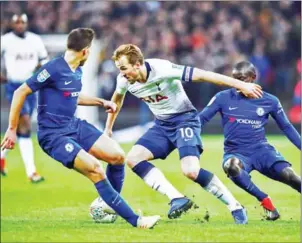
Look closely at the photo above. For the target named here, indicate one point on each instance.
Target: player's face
(129, 71)
(20, 26)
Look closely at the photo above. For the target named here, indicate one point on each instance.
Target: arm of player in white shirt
(248, 89)
(2, 68)
(118, 99)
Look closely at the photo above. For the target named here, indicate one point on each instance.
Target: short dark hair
(80, 38)
(244, 70)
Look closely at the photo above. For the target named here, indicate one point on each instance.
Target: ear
(137, 65)
(84, 52)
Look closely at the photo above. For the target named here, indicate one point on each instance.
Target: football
(101, 212)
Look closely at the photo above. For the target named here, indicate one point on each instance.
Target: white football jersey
(22, 55)
(163, 92)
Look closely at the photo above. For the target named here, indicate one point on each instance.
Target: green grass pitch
(57, 209)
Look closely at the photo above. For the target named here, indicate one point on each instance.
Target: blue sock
(116, 202)
(204, 177)
(116, 175)
(142, 168)
(243, 180)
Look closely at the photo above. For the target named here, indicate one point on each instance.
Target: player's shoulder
(52, 66)
(7, 36)
(156, 63)
(267, 96)
(33, 36)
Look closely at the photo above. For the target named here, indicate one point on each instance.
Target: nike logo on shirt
(233, 108)
(67, 82)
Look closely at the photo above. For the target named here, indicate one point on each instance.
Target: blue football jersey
(244, 119)
(59, 88)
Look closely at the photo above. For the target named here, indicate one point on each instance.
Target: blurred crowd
(209, 35)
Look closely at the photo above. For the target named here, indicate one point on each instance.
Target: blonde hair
(132, 52)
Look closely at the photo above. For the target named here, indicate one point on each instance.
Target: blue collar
(148, 67)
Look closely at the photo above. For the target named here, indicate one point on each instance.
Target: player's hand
(109, 106)
(108, 132)
(252, 90)
(9, 139)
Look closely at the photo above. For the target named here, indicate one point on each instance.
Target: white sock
(4, 153)
(27, 153)
(157, 181)
(220, 191)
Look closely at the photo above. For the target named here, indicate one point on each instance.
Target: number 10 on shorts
(186, 132)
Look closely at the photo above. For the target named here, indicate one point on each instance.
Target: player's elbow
(22, 91)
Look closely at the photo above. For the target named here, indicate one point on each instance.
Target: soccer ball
(101, 212)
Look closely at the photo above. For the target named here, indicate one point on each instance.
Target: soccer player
(22, 52)
(158, 83)
(245, 145)
(73, 142)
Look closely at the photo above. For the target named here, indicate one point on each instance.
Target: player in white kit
(158, 83)
(22, 52)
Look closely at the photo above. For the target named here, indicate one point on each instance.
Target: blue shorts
(30, 102)
(63, 144)
(181, 132)
(261, 159)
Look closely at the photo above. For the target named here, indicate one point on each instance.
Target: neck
(21, 35)
(143, 74)
(72, 59)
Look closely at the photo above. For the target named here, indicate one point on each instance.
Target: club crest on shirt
(69, 147)
(43, 75)
(260, 111)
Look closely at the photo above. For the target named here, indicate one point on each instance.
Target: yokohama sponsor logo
(248, 121)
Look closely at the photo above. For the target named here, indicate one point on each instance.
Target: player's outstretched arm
(95, 101)
(250, 90)
(118, 99)
(285, 125)
(19, 97)
(210, 110)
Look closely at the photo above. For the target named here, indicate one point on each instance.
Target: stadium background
(209, 35)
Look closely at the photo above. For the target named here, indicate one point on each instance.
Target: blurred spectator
(210, 35)
(295, 111)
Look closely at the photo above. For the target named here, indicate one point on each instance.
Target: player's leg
(287, 175)
(237, 169)
(108, 150)
(90, 167)
(25, 141)
(189, 146)
(71, 155)
(208, 181)
(234, 168)
(152, 145)
(3, 168)
(103, 148)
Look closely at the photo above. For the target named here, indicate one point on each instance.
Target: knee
(232, 166)
(96, 173)
(190, 169)
(132, 160)
(118, 158)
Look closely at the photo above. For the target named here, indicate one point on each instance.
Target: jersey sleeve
(284, 124)
(121, 85)
(42, 52)
(41, 78)
(183, 73)
(210, 110)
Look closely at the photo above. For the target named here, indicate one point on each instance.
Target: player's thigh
(187, 140)
(98, 144)
(155, 141)
(107, 149)
(63, 149)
